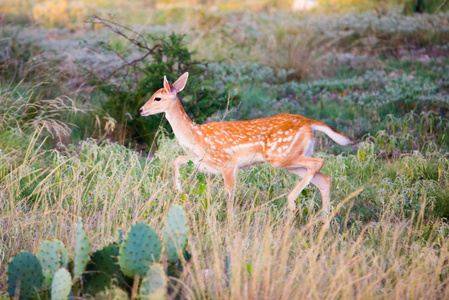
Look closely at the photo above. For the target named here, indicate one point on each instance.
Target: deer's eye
(157, 99)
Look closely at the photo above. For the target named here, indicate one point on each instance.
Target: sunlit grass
(383, 240)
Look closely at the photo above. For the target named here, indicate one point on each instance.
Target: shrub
(127, 87)
(425, 6)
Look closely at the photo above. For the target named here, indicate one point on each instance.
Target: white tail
(335, 135)
(284, 140)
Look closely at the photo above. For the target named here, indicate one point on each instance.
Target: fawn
(285, 140)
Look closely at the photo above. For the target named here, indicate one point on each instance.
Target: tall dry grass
(262, 251)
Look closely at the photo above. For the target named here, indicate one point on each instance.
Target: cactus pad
(61, 285)
(52, 255)
(113, 294)
(25, 274)
(103, 270)
(141, 248)
(82, 250)
(175, 233)
(154, 285)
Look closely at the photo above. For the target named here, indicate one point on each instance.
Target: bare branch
(120, 30)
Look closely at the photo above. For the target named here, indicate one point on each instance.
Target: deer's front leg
(179, 162)
(229, 179)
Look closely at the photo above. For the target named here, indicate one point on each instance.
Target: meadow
(72, 143)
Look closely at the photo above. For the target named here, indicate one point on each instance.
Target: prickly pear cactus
(103, 270)
(52, 255)
(82, 250)
(61, 285)
(175, 233)
(141, 248)
(154, 285)
(113, 294)
(25, 274)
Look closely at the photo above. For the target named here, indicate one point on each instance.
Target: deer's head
(162, 100)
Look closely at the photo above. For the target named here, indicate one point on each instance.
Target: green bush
(425, 6)
(128, 87)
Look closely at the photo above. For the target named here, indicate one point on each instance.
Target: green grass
(383, 226)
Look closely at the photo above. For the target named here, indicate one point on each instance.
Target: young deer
(284, 140)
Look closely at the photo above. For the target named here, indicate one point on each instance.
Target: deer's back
(252, 141)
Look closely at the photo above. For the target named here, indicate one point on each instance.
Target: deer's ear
(168, 86)
(181, 82)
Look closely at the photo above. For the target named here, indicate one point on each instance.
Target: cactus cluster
(103, 271)
(107, 273)
(82, 250)
(175, 233)
(112, 294)
(52, 255)
(141, 248)
(61, 285)
(154, 285)
(24, 275)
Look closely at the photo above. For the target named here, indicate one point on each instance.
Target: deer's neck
(181, 124)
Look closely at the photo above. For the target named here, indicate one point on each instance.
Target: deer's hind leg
(312, 166)
(322, 182)
(229, 174)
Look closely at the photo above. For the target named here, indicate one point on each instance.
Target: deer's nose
(141, 110)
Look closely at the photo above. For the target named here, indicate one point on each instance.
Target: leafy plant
(128, 86)
(425, 6)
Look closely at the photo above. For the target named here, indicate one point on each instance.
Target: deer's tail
(333, 133)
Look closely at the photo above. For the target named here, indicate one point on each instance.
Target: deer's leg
(179, 162)
(313, 166)
(229, 179)
(322, 182)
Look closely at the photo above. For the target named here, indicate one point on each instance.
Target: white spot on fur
(228, 151)
(293, 143)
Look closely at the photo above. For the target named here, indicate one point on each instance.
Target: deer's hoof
(291, 205)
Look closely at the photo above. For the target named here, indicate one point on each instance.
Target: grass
(381, 238)
(379, 77)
